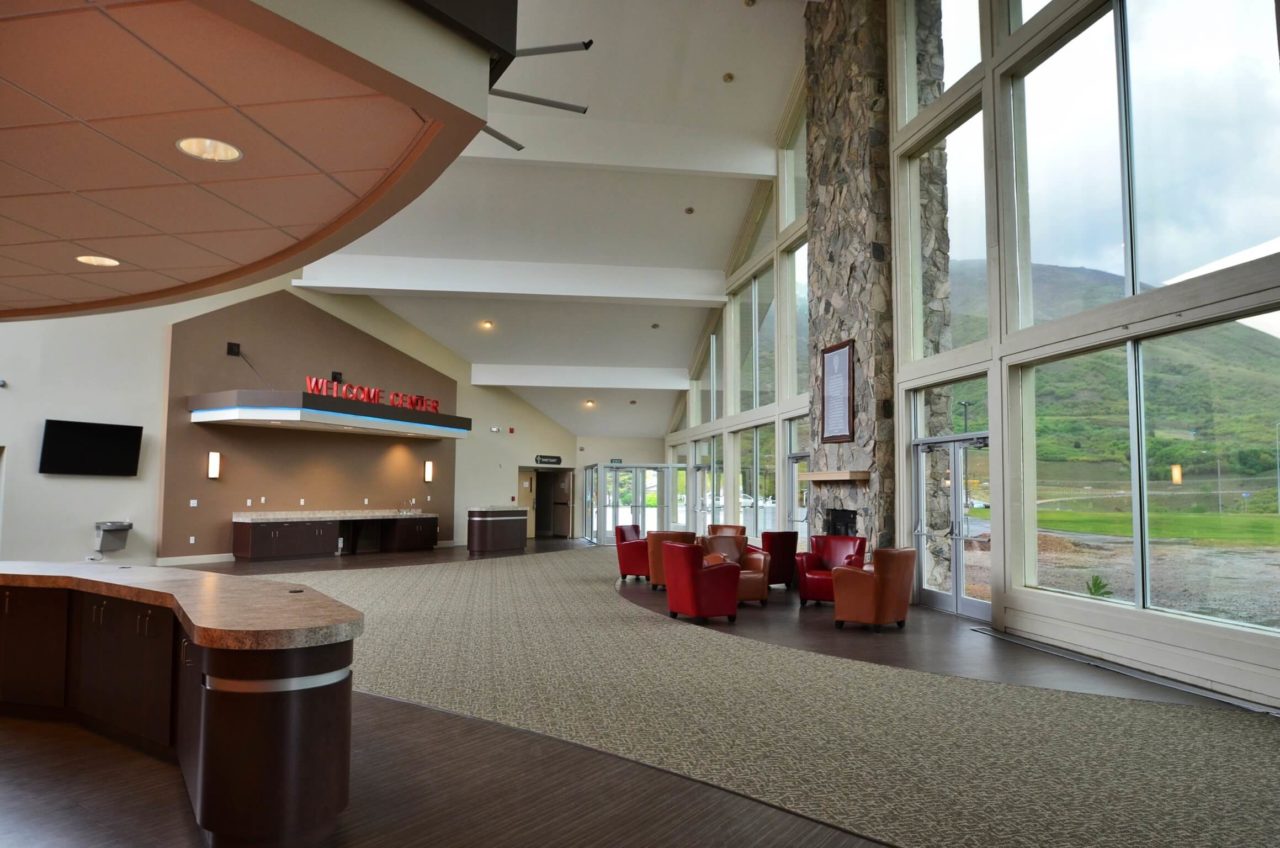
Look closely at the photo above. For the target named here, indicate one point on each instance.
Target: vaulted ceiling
(605, 223)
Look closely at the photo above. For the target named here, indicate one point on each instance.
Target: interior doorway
(953, 524)
(553, 502)
(526, 497)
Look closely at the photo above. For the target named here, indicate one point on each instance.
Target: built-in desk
(245, 682)
(300, 533)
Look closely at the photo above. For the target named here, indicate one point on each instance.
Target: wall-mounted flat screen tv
(83, 447)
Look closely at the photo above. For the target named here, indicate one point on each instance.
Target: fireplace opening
(841, 522)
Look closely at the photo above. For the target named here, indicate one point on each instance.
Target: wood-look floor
(420, 777)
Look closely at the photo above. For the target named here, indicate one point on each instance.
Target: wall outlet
(428, 499)
(248, 501)
(302, 501)
(412, 501)
(366, 501)
(193, 503)
(191, 540)
(264, 498)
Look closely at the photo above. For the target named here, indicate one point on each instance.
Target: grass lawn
(1246, 530)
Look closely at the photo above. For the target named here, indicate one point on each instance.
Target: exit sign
(615, 462)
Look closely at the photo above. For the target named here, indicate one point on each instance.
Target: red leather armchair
(813, 568)
(695, 589)
(633, 553)
(878, 596)
(781, 548)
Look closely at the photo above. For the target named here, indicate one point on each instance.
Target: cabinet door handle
(146, 625)
(137, 625)
(93, 614)
(183, 658)
(6, 603)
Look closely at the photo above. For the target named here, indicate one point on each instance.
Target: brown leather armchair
(658, 576)
(880, 595)
(726, 530)
(753, 579)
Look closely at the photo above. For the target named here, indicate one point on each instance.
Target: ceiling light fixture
(633, 403)
(727, 77)
(688, 210)
(591, 404)
(98, 261)
(209, 149)
(486, 324)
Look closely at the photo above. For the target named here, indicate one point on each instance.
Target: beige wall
(114, 368)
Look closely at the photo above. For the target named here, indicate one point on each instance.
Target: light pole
(965, 406)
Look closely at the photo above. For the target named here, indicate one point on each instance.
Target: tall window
(797, 177)
(757, 479)
(756, 308)
(798, 463)
(1083, 489)
(800, 326)
(947, 46)
(950, 283)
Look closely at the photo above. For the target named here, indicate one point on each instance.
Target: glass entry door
(953, 525)
(703, 498)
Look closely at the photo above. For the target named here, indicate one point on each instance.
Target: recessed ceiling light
(727, 77)
(209, 149)
(486, 324)
(98, 261)
(633, 403)
(654, 326)
(591, 404)
(688, 210)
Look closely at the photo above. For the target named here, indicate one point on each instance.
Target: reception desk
(496, 529)
(245, 682)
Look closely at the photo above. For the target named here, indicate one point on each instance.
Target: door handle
(182, 654)
(137, 625)
(146, 625)
(6, 603)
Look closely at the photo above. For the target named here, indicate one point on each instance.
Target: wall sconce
(428, 471)
(1175, 472)
(215, 465)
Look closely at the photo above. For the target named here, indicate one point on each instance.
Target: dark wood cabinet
(189, 713)
(122, 666)
(33, 646)
(416, 533)
(281, 539)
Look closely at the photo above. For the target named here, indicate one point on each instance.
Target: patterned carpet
(545, 643)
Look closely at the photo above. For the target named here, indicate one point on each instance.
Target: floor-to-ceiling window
(758, 479)
(1088, 220)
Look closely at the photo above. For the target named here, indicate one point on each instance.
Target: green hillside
(1210, 394)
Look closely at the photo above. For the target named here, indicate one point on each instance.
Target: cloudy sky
(1205, 94)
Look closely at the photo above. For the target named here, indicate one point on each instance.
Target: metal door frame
(954, 601)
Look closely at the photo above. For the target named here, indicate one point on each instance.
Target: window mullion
(1137, 475)
(1126, 148)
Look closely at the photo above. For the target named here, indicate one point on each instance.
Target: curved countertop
(219, 611)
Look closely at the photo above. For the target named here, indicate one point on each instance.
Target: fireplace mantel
(835, 476)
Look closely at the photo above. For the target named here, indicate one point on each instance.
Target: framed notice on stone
(837, 392)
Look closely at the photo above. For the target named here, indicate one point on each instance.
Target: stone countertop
(220, 611)
(265, 517)
(512, 508)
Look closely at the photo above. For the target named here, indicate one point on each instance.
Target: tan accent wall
(287, 339)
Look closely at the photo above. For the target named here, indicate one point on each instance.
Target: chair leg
(839, 625)
(875, 628)
(732, 619)
(653, 587)
(803, 602)
(902, 624)
(764, 602)
(672, 614)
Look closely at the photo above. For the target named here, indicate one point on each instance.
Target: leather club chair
(753, 581)
(878, 596)
(657, 576)
(699, 590)
(633, 552)
(813, 568)
(781, 548)
(726, 530)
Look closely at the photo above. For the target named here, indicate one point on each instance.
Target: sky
(1205, 90)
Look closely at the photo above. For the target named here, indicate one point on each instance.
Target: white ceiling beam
(407, 275)
(579, 377)
(596, 143)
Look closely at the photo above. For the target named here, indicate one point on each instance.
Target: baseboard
(197, 559)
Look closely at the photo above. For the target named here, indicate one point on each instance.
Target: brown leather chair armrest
(755, 560)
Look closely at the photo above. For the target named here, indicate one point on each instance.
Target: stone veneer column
(846, 67)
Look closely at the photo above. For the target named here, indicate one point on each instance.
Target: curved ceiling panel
(94, 98)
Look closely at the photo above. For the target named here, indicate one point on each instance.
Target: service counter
(245, 682)
(496, 529)
(300, 533)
